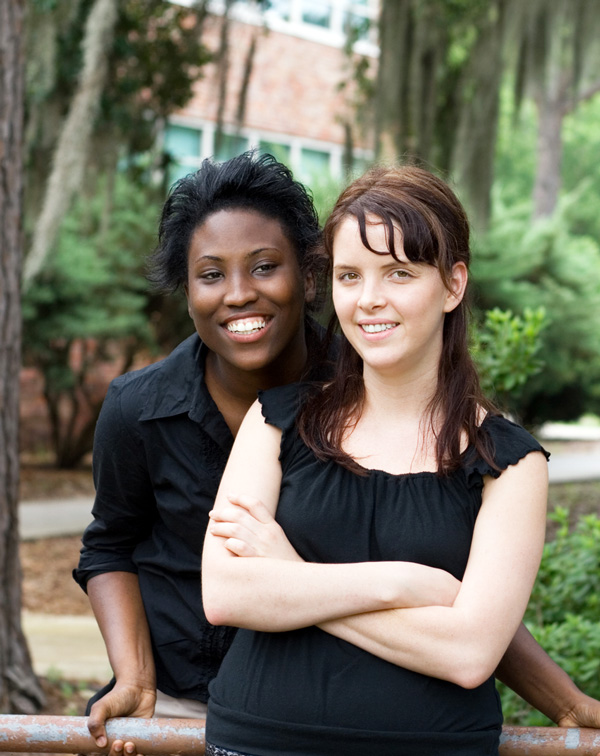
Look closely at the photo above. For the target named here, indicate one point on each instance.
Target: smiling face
(246, 292)
(391, 311)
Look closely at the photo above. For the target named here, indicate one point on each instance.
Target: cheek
(342, 302)
(288, 292)
(200, 302)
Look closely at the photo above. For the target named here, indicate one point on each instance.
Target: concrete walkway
(68, 647)
(64, 646)
(52, 519)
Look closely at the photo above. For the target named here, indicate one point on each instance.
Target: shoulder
(508, 443)
(280, 406)
(146, 390)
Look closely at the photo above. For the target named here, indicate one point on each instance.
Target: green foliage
(519, 264)
(325, 190)
(157, 55)
(504, 349)
(89, 306)
(564, 611)
(93, 287)
(569, 578)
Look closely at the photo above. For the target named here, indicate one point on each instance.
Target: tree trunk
(474, 146)
(71, 152)
(549, 156)
(19, 689)
(390, 93)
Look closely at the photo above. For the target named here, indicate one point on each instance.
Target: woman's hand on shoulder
(250, 530)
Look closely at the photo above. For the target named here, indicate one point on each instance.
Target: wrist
(141, 675)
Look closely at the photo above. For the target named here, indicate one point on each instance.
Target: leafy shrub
(564, 611)
(546, 264)
(505, 348)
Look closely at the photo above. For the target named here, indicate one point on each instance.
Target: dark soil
(46, 482)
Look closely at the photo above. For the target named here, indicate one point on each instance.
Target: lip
(251, 336)
(377, 335)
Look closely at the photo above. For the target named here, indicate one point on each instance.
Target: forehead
(347, 238)
(226, 232)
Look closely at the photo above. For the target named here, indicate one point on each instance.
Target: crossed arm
(386, 608)
(247, 528)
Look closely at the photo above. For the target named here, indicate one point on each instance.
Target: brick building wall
(300, 93)
(294, 87)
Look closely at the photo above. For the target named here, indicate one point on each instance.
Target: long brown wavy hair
(434, 230)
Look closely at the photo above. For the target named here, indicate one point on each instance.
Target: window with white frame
(187, 146)
(184, 147)
(326, 21)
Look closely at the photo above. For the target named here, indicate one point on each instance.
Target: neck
(407, 396)
(234, 390)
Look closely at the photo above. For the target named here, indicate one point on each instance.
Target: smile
(246, 326)
(377, 327)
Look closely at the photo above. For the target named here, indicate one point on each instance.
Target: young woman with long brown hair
(415, 512)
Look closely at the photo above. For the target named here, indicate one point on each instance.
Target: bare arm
(294, 594)
(464, 643)
(117, 603)
(250, 530)
(531, 673)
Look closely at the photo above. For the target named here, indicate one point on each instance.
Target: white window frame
(255, 136)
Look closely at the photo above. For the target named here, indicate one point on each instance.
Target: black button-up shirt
(160, 450)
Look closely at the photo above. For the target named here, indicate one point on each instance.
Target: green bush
(504, 348)
(546, 264)
(564, 611)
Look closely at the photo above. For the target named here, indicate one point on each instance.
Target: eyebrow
(216, 258)
(393, 264)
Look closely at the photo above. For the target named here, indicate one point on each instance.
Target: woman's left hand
(250, 530)
(585, 713)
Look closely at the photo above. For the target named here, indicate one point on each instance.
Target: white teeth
(377, 327)
(246, 326)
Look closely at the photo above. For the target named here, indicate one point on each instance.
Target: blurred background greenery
(500, 97)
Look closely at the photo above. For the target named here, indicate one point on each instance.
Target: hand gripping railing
(185, 737)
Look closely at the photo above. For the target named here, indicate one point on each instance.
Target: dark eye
(350, 276)
(211, 275)
(265, 268)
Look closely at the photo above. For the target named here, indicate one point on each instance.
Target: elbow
(472, 670)
(219, 612)
(471, 678)
(216, 614)
(217, 606)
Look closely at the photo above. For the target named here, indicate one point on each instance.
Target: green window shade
(314, 162)
(178, 170)
(182, 142)
(279, 151)
(317, 13)
(230, 146)
(281, 7)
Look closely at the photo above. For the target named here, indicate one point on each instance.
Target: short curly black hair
(245, 182)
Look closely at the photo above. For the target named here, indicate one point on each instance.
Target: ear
(457, 286)
(310, 288)
(187, 296)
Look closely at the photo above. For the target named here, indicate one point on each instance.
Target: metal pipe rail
(185, 737)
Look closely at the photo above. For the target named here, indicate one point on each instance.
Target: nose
(371, 296)
(241, 290)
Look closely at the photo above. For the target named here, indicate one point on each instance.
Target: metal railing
(185, 737)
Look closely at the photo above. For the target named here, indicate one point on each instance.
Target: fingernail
(101, 742)
(130, 748)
